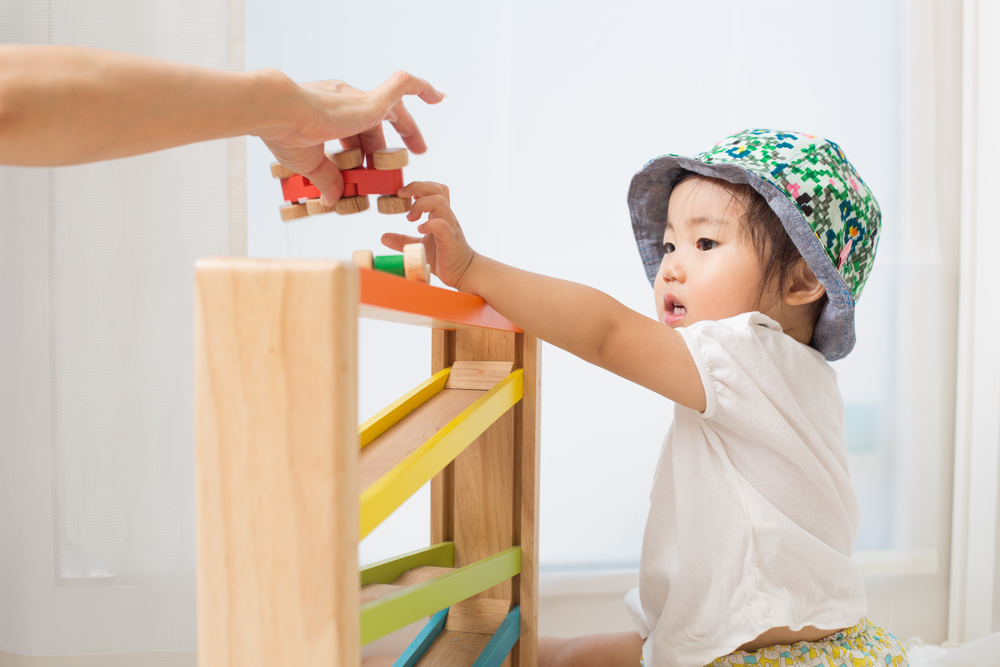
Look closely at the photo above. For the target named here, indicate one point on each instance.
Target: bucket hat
(826, 208)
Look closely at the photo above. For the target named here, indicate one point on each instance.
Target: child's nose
(672, 269)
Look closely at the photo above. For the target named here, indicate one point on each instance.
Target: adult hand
(62, 105)
(334, 110)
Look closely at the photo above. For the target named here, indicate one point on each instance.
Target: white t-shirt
(752, 515)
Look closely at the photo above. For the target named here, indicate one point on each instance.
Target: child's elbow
(607, 342)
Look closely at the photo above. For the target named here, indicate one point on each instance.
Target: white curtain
(96, 381)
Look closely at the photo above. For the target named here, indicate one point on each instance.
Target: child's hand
(447, 250)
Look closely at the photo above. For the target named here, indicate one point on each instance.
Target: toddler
(757, 251)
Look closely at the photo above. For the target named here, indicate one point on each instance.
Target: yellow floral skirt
(864, 645)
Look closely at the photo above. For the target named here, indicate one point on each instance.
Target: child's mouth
(673, 310)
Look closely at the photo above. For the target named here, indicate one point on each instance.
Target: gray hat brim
(649, 195)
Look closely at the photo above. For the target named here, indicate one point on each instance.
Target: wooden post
(527, 462)
(487, 499)
(277, 450)
(443, 485)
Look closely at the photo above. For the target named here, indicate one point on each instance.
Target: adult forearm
(68, 105)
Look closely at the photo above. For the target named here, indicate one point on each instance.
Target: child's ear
(803, 286)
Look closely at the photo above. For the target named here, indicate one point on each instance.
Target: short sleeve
(726, 352)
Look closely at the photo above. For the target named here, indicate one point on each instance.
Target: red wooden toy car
(383, 176)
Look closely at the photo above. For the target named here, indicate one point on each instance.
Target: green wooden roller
(390, 264)
(412, 264)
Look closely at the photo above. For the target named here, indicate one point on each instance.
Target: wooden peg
(394, 204)
(363, 258)
(415, 265)
(279, 171)
(348, 205)
(293, 211)
(391, 158)
(349, 158)
(315, 207)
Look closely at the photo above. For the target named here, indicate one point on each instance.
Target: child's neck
(796, 321)
(799, 322)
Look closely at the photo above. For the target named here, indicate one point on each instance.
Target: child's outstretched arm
(577, 318)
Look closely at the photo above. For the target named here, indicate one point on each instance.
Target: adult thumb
(403, 83)
(328, 179)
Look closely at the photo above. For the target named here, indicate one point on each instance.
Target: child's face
(708, 272)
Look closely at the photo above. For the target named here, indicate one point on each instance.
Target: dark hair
(762, 229)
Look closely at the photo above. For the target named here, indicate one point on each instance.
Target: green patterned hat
(824, 205)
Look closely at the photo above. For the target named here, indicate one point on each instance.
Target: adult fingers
(368, 141)
(389, 98)
(372, 140)
(403, 83)
(406, 128)
(312, 163)
(328, 179)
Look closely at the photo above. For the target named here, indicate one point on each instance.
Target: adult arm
(62, 105)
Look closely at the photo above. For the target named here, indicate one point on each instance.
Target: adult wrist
(273, 99)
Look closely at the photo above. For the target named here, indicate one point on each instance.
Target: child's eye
(706, 244)
(668, 248)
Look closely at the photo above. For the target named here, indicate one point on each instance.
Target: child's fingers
(395, 241)
(439, 228)
(436, 206)
(425, 189)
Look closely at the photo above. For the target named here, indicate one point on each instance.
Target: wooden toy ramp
(287, 482)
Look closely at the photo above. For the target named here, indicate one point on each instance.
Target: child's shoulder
(744, 322)
(751, 333)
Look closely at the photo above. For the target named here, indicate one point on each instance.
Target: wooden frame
(287, 481)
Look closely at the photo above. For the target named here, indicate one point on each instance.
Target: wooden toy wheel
(348, 205)
(363, 258)
(316, 208)
(415, 265)
(293, 211)
(349, 158)
(279, 171)
(391, 158)
(394, 204)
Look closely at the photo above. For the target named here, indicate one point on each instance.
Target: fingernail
(323, 201)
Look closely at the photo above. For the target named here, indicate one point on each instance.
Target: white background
(551, 109)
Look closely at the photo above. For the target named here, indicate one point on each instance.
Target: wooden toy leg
(293, 211)
(348, 205)
(391, 158)
(280, 171)
(415, 265)
(392, 204)
(316, 208)
(363, 258)
(349, 158)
